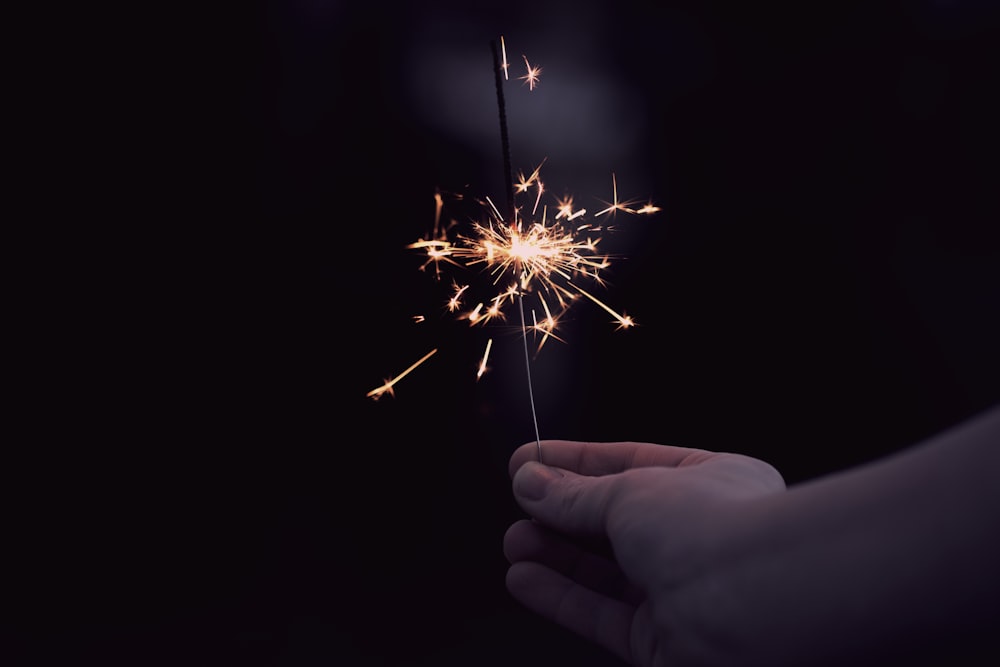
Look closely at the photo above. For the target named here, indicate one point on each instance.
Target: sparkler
(521, 251)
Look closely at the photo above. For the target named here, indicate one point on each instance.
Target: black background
(202, 479)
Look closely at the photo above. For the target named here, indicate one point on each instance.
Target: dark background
(202, 479)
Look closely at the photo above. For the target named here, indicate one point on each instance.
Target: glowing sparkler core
(547, 258)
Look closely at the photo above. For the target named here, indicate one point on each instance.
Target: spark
(438, 206)
(523, 183)
(624, 321)
(506, 65)
(546, 326)
(565, 208)
(648, 208)
(387, 387)
(531, 78)
(486, 355)
(616, 205)
(538, 197)
(455, 302)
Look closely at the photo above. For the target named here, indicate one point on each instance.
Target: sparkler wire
(527, 367)
(508, 175)
(508, 171)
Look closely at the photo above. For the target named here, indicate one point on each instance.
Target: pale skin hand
(673, 556)
(586, 589)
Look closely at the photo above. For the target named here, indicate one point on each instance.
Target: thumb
(563, 500)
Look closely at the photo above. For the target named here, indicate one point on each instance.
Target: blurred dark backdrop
(205, 481)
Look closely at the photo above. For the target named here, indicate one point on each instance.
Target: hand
(621, 536)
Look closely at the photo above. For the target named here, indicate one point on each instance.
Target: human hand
(622, 537)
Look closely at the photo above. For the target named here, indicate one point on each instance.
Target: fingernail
(532, 481)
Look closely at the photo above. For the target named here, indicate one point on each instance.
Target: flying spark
(486, 355)
(504, 65)
(531, 78)
(387, 387)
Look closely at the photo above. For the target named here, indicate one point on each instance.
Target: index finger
(604, 458)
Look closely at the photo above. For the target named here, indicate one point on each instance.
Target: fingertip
(512, 578)
(522, 577)
(532, 480)
(526, 452)
(513, 539)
